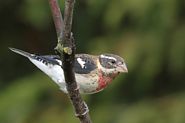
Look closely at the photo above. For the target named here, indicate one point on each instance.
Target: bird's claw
(84, 113)
(77, 88)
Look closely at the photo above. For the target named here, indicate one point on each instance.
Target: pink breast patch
(103, 82)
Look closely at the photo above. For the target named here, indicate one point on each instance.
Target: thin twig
(66, 47)
(57, 17)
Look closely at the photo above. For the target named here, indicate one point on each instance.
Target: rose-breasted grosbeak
(92, 73)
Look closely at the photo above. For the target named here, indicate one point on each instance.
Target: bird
(93, 73)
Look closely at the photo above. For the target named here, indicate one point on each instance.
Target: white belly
(87, 85)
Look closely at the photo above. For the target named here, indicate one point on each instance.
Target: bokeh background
(148, 34)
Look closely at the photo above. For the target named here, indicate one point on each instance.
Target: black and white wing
(84, 64)
(49, 64)
(45, 59)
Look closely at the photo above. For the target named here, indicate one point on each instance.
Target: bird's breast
(103, 82)
(87, 84)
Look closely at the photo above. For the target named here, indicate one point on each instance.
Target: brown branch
(66, 47)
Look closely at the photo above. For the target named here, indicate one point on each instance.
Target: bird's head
(112, 64)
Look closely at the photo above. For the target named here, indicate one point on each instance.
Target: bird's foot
(84, 113)
(77, 88)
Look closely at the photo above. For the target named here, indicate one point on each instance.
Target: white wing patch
(81, 62)
(60, 62)
(107, 57)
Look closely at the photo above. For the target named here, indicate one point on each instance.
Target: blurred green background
(148, 34)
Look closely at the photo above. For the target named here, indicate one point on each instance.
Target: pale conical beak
(122, 68)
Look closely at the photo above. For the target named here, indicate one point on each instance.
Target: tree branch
(57, 17)
(66, 47)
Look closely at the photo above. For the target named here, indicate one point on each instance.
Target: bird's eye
(113, 62)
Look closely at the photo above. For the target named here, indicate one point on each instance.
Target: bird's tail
(23, 53)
